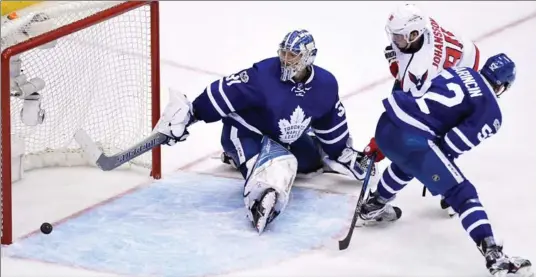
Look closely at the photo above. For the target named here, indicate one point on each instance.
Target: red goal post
(101, 74)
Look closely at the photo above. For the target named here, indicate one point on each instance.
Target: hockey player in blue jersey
(423, 136)
(267, 112)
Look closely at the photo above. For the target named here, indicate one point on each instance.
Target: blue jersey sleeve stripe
(452, 145)
(317, 131)
(456, 142)
(463, 137)
(213, 101)
(224, 96)
(243, 122)
(406, 118)
(335, 140)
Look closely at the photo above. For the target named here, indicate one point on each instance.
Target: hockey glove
(177, 116)
(354, 161)
(372, 148)
(390, 56)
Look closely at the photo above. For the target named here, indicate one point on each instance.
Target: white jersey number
(453, 49)
(443, 100)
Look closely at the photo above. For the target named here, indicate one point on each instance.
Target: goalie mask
(296, 52)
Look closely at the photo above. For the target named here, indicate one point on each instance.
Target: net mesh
(97, 79)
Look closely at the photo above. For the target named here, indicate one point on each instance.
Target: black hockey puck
(46, 228)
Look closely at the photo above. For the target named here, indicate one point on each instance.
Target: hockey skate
(376, 210)
(501, 265)
(263, 210)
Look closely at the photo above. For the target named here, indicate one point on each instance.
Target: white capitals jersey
(441, 49)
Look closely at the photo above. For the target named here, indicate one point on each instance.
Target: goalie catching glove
(177, 116)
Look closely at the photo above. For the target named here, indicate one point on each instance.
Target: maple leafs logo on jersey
(293, 129)
(418, 81)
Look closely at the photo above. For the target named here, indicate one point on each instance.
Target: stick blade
(343, 244)
(91, 150)
(110, 162)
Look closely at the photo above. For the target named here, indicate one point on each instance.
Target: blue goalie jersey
(460, 108)
(256, 100)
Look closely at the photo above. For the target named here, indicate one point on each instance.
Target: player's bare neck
(414, 47)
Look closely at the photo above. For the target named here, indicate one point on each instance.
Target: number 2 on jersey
(441, 99)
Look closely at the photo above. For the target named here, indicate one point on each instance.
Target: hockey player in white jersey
(420, 49)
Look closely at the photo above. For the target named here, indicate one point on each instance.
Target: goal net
(65, 66)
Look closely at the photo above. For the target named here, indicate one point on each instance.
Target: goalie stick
(343, 244)
(107, 163)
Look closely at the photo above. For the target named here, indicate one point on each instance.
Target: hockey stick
(343, 244)
(107, 163)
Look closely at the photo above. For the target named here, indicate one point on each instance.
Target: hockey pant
(416, 156)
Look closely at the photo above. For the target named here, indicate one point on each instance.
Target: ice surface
(188, 225)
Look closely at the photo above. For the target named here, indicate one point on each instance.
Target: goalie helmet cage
(134, 25)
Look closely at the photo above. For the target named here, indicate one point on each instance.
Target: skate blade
(371, 223)
(268, 204)
(524, 272)
(500, 273)
(261, 224)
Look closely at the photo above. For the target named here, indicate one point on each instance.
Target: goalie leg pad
(273, 169)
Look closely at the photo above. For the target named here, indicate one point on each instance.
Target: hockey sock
(464, 199)
(392, 181)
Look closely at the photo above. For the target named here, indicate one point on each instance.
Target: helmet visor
(400, 40)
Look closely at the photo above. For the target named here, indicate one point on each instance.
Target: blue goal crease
(187, 225)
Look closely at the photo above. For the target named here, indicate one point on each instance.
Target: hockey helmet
(296, 51)
(500, 72)
(403, 21)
